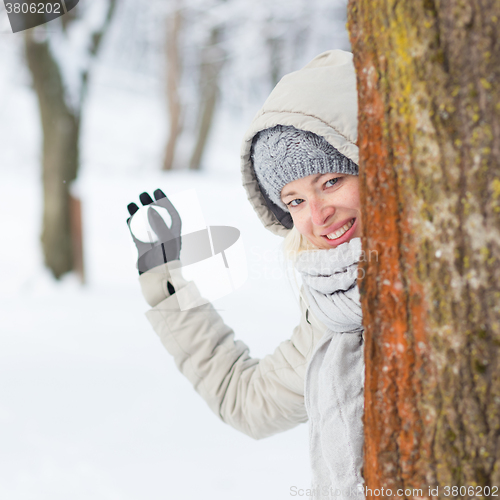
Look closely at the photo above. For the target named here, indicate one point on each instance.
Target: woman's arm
(257, 397)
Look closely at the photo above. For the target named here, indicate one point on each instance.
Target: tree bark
(429, 134)
(61, 127)
(211, 66)
(61, 132)
(174, 70)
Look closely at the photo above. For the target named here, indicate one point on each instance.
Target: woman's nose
(321, 212)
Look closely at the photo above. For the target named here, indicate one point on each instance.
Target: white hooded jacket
(261, 397)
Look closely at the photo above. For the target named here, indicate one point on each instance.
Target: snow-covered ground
(91, 405)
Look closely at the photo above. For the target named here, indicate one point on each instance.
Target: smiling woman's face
(325, 208)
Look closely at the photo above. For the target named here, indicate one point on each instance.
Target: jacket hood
(320, 98)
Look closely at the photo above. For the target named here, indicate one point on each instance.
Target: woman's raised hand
(168, 246)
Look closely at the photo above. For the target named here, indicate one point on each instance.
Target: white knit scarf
(329, 278)
(335, 375)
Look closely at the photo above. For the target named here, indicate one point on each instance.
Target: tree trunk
(275, 45)
(429, 136)
(61, 131)
(211, 66)
(174, 70)
(60, 126)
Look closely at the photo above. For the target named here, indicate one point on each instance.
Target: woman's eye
(295, 202)
(332, 181)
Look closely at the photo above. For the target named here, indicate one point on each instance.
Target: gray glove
(168, 246)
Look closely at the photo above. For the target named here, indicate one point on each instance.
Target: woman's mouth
(342, 234)
(341, 231)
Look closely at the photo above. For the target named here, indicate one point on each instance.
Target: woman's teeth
(339, 232)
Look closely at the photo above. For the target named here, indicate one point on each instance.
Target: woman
(299, 165)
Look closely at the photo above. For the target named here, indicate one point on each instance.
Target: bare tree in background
(59, 56)
(211, 62)
(429, 134)
(219, 55)
(192, 29)
(237, 52)
(174, 72)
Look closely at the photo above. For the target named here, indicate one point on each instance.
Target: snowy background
(91, 405)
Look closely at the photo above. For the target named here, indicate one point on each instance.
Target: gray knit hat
(283, 154)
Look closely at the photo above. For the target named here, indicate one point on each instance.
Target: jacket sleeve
(259, 397)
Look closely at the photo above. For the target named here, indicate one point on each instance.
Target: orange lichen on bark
(390, 410)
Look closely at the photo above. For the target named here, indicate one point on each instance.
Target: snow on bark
(72, 47)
